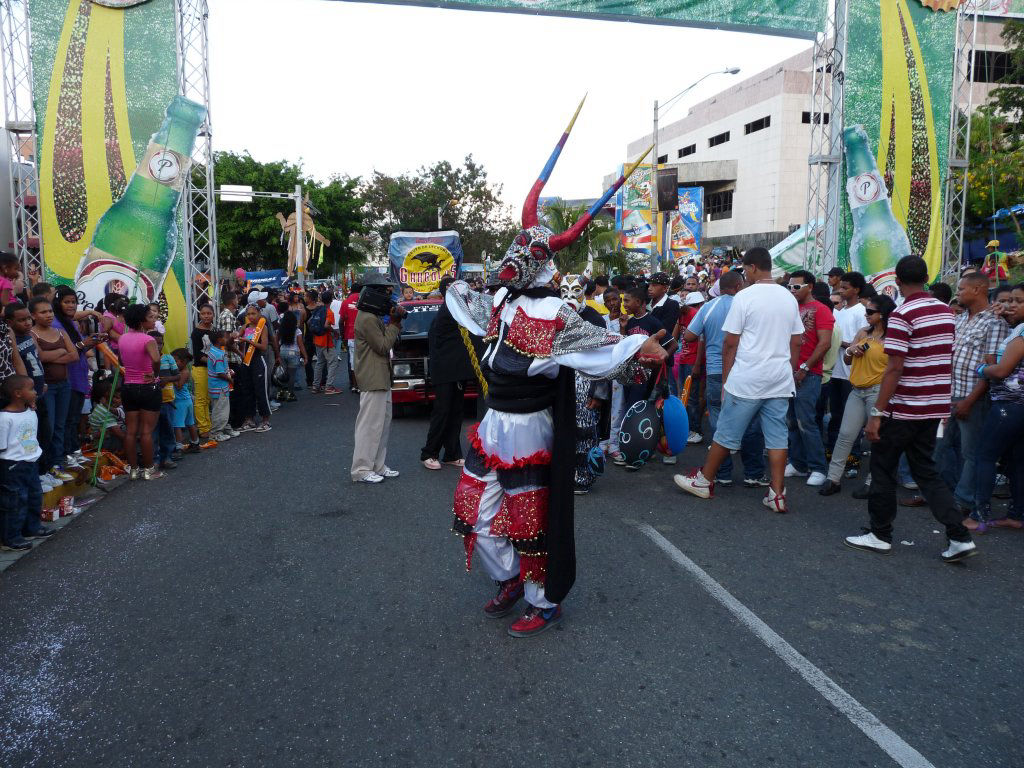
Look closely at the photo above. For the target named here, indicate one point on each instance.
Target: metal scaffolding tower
(16, 44)
(825, 186)
(955, 193)
(198, 198)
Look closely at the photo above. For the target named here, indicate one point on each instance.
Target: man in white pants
(374, 341)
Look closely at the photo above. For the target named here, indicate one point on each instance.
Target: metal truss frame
(954, 210)
(16, 52)
(825, 163)
(199, 203)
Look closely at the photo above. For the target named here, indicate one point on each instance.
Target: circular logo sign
(425, 266)
(866, 188)
(119, 3)
(164, 166)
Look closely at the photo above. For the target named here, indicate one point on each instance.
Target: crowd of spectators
(90, 393)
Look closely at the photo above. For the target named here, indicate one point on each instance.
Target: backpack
(318, 321)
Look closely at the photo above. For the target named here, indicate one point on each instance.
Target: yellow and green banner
(899, 65)
(104, 74)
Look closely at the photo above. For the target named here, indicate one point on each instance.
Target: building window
(806, 118)
(994, 67)
(662, 159)
(721, 138)
(757, 125)
(719, 205)
(686, 151)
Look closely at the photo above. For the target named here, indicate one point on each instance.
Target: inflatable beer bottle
(134, 242)
(878, 241)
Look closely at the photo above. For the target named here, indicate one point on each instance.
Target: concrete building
(748, 146)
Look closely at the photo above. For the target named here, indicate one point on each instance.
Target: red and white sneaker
(776, 502)
(696, 483)
(535, 621)
(502, 604)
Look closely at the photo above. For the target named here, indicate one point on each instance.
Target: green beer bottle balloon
(878, 241)
(134, 242)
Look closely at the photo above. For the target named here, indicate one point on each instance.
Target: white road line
(904, 754)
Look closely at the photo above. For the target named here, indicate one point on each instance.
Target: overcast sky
(351, 88)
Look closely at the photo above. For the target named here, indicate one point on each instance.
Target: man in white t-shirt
(850, 320)
(763, 334)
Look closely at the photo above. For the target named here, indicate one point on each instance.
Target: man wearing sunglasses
(806, 451)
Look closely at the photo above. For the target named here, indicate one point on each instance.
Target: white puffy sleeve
(471, 309)
(596, 353)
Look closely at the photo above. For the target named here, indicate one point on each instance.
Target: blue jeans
(752, 445)
(961, 439)
(57, 399)
(165, 441)
(76, 400)
(21, 500)
(806, 451)
(292, 362)
(1004, 435)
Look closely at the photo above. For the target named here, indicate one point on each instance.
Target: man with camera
(374, 340)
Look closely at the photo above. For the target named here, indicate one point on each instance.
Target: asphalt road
(255, 608)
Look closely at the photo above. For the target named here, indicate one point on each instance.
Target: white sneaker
(696, 484)
(234, 433)
(694, 438)
(816, 478)
(868, 542)
(220, 437)
(668, 459)
(910, 485)
(959, 550)
(60, 474)
(776, 502)
(370, 477)
(388, 472)
(792, 471)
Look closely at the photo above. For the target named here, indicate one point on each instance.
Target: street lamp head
(732, 71)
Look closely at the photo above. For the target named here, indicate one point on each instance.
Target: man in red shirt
(806, 449)
(913, 398)
(348, 327)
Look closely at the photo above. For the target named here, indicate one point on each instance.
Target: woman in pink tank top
(140, 393)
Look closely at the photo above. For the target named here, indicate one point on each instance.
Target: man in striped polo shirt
(913, 398)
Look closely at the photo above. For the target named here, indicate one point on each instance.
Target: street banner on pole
(686, 224)
(422, 259)
(633, 211)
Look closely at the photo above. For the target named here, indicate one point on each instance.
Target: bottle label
(866, 188)
(164, 166)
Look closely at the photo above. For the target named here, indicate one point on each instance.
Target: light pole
(440, 210)
(655, 214)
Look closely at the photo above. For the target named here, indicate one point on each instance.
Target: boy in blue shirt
(184, 410)
(219, 385)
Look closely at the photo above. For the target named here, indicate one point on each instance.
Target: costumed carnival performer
(514, 501)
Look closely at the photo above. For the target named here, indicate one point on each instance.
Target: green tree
(996, 176)
(470, 205)
(249, 234)
(599, 238)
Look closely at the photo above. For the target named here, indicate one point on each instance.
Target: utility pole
(655, 216)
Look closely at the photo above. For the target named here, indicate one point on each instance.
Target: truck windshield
(419, 319)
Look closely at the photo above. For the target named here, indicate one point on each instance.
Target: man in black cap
(664, 310)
